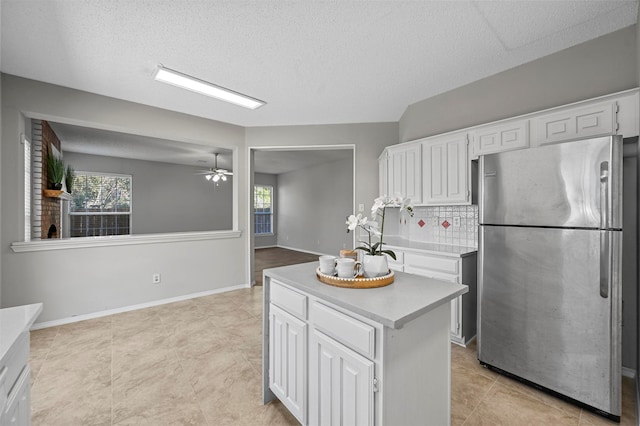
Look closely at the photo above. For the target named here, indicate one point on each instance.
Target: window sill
(120, 240)
(270, 234)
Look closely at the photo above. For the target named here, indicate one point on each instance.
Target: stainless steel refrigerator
(549, 305)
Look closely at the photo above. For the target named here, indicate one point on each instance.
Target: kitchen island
(376, 356)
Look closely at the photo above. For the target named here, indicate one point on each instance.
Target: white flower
(378, 203)
(352, 221)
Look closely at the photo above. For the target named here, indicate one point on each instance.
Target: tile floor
(199, 362)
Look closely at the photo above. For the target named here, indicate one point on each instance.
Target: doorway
(313, 193)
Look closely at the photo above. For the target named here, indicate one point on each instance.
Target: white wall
(268, 240)
(313, 205)
(166, 197)
(80, 281)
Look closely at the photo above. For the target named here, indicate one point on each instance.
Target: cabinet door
(18, 410)
(499, 138)
(288, 361)
(340, 384)
(572, 123)
(446, 171)
(404, 171)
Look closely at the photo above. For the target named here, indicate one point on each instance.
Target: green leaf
(390, 253)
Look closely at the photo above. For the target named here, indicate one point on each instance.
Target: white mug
(348, 268)
(327, 264)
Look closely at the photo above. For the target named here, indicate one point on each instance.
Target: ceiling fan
(216, 174)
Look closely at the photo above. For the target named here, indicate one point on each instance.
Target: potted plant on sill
(69, 176)
(374, 262)
(55, 171)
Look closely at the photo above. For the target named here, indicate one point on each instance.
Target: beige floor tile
(467, 390)
(543, 397)
(41, 341)
(187, 413)
(148, 389)
(277, 414)
(506, 406)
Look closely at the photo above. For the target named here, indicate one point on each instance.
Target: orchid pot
(374, 266)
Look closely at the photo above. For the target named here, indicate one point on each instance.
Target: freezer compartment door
(573, 184)
(544, 314)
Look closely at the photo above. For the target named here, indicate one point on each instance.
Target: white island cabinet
(14, 370)
(338, 356)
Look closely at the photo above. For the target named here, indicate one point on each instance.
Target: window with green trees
(101, 205)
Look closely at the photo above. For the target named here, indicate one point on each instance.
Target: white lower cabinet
(288, 361)
(460, 270)
(17, 411)
(332, 366)
(340, 384)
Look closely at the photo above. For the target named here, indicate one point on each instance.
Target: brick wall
(49, 210)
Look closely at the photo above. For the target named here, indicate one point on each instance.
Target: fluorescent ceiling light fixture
(185, 81)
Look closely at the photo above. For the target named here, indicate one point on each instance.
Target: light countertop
(14, 321)
(429, 248)
(407, 298)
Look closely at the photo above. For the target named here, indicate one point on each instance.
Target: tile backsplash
(454, 225)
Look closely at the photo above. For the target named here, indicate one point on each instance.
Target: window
(101, 205)
(263, 209)
(27, 189)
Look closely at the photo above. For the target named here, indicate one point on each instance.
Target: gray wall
(629, 257)
(268, 240)
(604, 65)
(313, 205)
(66, 280)
(166, 197)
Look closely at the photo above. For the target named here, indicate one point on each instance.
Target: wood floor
(273, 257)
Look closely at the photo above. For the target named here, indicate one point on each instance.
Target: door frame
(250, 179)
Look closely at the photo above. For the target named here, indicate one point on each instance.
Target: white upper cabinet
(598, 119)
(404, 173)
(446, 167)
(505, 136)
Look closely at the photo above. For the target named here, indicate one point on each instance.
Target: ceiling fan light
(207, 177)
(175, 78)
(223, 177)
(216, 178)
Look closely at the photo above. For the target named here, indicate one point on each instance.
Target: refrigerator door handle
(605, 264)
(604, 195)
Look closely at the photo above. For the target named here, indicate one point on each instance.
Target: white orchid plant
(372, 228)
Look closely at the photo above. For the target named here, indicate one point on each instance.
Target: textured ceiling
(313, 62)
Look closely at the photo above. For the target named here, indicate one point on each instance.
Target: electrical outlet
(155, 278)
(456, 221)
(360, 208)
(434, 221)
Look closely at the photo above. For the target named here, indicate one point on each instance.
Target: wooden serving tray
(357, 282)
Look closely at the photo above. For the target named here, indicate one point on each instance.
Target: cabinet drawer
(17, 359)
(347, 330)
(435, 263)
(289, 300)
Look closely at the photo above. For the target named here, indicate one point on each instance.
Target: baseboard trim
(265, 247)
(99, 314)
(629, 372)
